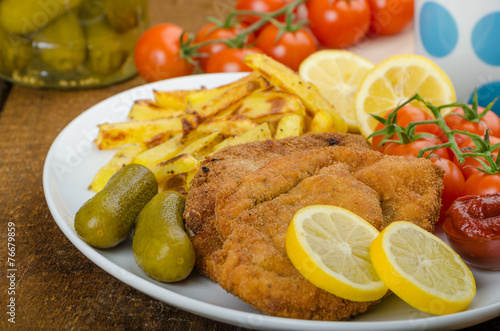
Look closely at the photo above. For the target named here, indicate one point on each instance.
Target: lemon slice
(329, 246)
(422, 270)
(337, 74)
(395, 80)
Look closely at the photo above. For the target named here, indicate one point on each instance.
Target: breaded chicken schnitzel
(243, 198)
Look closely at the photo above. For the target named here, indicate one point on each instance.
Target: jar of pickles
(69, 43)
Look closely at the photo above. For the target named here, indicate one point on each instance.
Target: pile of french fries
(174, 132)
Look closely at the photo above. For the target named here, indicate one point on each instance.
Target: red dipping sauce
(472, 227)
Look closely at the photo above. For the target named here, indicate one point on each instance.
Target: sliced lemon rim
(395, 80)
(337, 74)
(422, 269)
(329, 246)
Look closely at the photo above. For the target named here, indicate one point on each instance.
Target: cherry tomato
(230, 60)
(260, 6)
(481, 183)
(405, 116)
(468, 167)
(211, 32)
(338, 23)
(453, 182)
(390, 16)
(157, 53)
(454, 122)
(414, 147)
(291, 48)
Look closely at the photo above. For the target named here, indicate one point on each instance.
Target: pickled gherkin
(69, 43)
(27, 16)
(106, 49)
(15, 52)
(124, 15)
(62, 43)
(160, 244)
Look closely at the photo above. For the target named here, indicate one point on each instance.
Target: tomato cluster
(472, 176)
(287, 30)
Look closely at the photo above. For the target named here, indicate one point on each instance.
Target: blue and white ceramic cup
(463, 38)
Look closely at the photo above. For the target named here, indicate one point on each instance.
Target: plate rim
(213, 311)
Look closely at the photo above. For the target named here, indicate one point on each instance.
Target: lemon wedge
(337, 74)
(395, 80)
(329, 246)
(422, 269)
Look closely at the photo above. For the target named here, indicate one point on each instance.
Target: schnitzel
(243, 198)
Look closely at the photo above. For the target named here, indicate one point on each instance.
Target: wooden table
(57, 287)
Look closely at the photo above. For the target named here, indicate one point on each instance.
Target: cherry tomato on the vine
(260, 6)
(211, 32)
(157, 53)
(390, 16)
(453, 182)
(413, 148)
(455, 122)
(481, 183)
(468, 167)
(291, 48)
(230, 60)
(405, 116)
(338, 23)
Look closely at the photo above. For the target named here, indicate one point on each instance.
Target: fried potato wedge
(227, 126)
(291, 125)
(266, 106)
(289, 81)
(112, 135)
(172, 99)
(230, 96)
(179, 164)
(161, 152)
(322, 122)
(203, 146)
(122, 158)
(258, 133)
(149, 110)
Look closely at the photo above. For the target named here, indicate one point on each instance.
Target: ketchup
(472, 226)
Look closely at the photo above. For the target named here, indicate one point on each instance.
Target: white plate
(70, 166)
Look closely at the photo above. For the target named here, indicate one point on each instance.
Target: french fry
(200, 98)
(179, 164)
(267, 106)
(203, 146)
(122, 158)
(149, 110)
(259, 133)
(159, 153)
(287, 80)
(172, 99)
(112, 135)
(230, 96)
(226, 126)
(322, 122)
(291, 125)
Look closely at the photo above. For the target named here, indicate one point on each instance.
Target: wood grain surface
(57, 287)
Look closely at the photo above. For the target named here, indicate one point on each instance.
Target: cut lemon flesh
(422, 269)
(329, 246)
(395, 80)
(337, 74)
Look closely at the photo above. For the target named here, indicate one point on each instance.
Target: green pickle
(160, 244)
(106, 52)
(124, 15)
(65, 41)
(27, 16)
(108, 217)
(69, 43)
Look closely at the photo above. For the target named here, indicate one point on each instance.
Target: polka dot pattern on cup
(435, 19)
(485, 39)
(486, 94)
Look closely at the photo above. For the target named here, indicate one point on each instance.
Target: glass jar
(69, 43)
